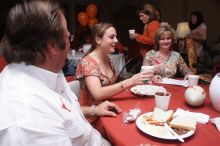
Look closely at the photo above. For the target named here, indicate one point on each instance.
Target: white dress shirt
(37, 108)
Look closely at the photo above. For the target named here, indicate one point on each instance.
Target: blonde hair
(98, 31)
(165, 27)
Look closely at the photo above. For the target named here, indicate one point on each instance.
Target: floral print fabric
(166, 68)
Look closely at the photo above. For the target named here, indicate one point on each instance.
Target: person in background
(149, 17)
(165, 60)
(96, 72)
(198, 32)
(37, 104)
(154, 10)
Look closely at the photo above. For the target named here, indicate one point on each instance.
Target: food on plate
(179, 124)
(183, 122)
(158, 117)
(180, 131)
(162, 116)
(152, 123)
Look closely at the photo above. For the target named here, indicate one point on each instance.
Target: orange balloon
(91, 10)
(92, 22)
(82, 18)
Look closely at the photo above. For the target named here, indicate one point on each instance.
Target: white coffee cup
(73, 52)
(147, 69)
(162, 100)
(131, 31)
(193, 80)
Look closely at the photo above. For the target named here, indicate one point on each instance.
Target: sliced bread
(183, 122)
(162, 116)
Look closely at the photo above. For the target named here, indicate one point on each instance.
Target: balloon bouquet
(88, 17)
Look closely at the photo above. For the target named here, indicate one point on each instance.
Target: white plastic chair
(75, 87)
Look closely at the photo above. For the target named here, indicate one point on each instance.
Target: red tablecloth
(120, 134)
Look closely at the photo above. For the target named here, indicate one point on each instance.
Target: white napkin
(216, 121)
(183, 83)
(131, 115)
(199, 117)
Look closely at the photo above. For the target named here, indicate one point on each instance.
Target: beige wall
(174, 11)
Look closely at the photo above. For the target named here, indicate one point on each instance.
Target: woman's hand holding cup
(132, 33)
(147, 70)
(142, 78)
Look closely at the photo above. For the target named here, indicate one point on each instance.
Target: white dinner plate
(158, 131)
(148, 90)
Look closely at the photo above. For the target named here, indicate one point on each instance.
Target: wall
(210, 10)
(105, 8)
(174, 11)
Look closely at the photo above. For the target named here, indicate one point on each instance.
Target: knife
(173, 132)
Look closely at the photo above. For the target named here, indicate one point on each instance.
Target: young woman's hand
(141, 78)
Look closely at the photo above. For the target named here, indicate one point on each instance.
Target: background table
(121, 134)
(118, 61)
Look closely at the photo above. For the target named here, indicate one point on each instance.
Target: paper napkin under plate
(199, 117)
(183, 83)
(216, 121)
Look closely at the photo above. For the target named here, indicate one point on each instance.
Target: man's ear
(51, 48)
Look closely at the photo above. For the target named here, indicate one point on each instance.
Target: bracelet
(92, 110)
(121, 85)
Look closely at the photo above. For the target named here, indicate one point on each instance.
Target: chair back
(75, 87)
(131, 67)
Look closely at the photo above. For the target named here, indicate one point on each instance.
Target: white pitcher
(214, 91)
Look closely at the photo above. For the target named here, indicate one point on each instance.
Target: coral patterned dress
(89, 67)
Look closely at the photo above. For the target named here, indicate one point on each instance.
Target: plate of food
(152, 123)
(148, 90)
